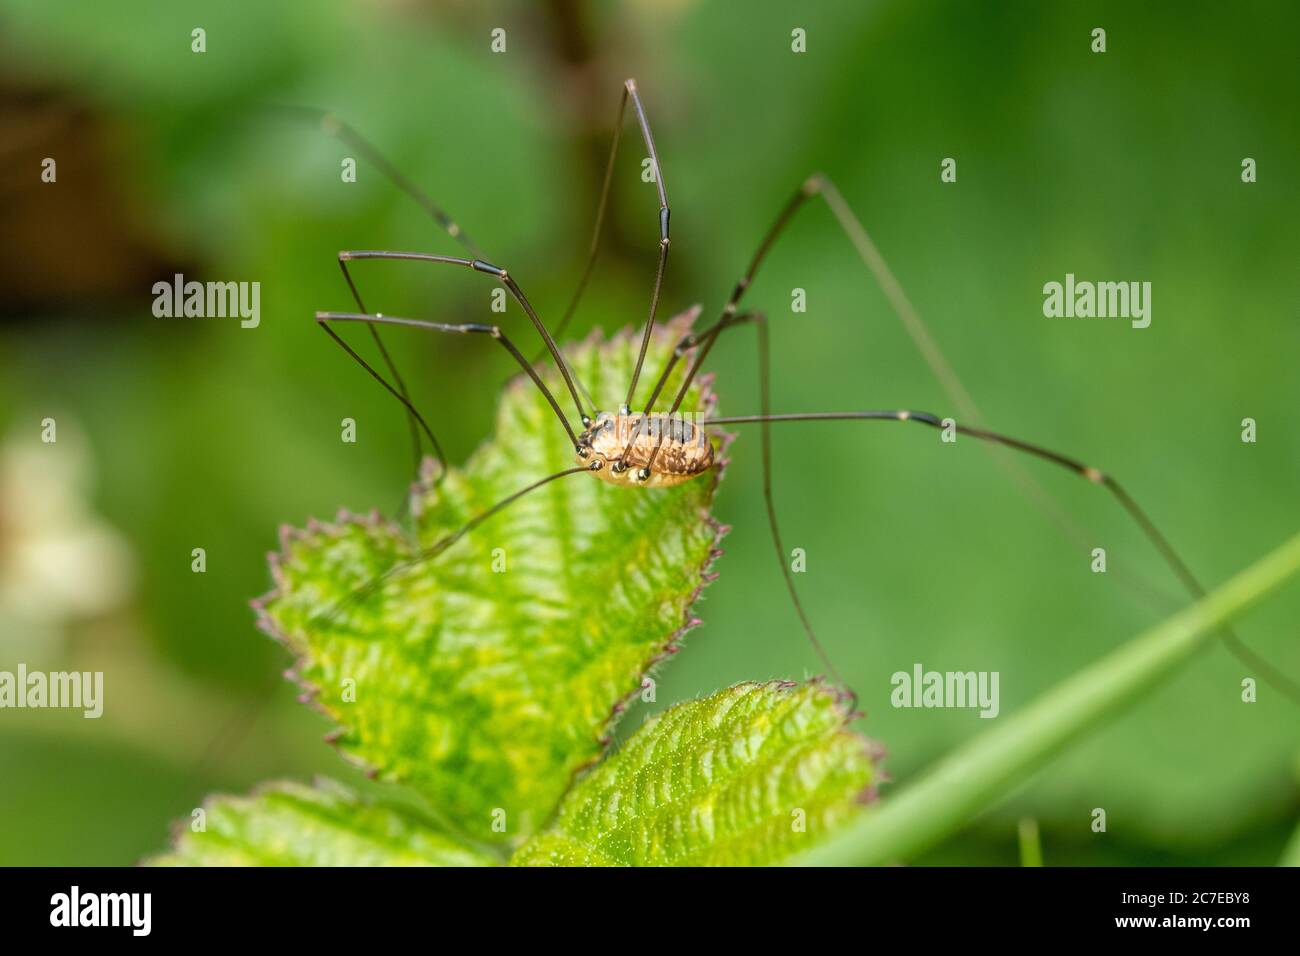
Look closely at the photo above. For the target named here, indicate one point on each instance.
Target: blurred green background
(176, 434)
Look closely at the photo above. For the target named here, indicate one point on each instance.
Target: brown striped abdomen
(685, 449)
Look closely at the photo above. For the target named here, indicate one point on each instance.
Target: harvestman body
(657, 449)
(621, 450)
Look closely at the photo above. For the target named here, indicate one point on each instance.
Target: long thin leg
(337, 128)
(401, 397)
(340, 130)
(1094, 475)
(597, 229)
(820, 185)
(445, 542)
(345, 133)
(706, 339)
(629, 90)
(412, 418)
(503, 275)
(934, 357)
(765, 401)
(684, 345)
(463, 329)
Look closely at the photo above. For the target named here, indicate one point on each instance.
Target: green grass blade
(984, 770)
(1291, 855)
(1031, 846)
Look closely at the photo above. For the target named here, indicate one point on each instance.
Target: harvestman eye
(662, 449)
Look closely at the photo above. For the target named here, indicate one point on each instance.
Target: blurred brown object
(72, 245)
(587, 83)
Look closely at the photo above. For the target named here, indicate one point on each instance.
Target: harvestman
(654, 448)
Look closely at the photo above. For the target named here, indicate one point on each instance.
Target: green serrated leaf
(747, 776)
(484, 689)
(287, 824)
